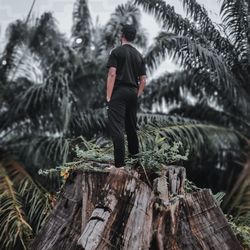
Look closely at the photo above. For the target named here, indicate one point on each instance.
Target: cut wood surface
(116, 210)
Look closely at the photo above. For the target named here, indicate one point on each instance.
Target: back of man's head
(129, 32)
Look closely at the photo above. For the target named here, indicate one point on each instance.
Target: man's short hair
(129, 32)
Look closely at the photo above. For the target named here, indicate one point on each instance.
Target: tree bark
(116, 210)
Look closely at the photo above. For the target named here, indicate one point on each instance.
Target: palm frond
(168, 87)
(235, 16)
(35, 198)
(141, 39)
(39, 94)
(89, 123)
(188, 86)
(40, 151)
(213, 151)
(47, 42)
(167, 120)
(202, 140)
(202, 29)
(26, 73)
(194, 87)
(90, 76)
(15, 232)
(238, 200)
(170, 20)
(204, 112)
(191, 54)
(197, 12)
(26, 64)
(126, 13)
(207, 28)
(39, 104)
(81, 29)
(16, 34)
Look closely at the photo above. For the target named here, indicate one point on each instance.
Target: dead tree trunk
(116, 210)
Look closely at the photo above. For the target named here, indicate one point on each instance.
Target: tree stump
(116, 210)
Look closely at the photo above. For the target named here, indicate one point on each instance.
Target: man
(126, 81)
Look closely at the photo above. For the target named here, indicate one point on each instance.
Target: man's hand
(139, 93)
(108, 99)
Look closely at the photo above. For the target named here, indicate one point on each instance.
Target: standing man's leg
(131, 123)
(116, 116)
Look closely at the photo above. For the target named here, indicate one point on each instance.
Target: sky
(10, 10)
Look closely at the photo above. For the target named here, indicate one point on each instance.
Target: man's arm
(142, 84)
(110, 82)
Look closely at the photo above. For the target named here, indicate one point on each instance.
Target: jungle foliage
(52, 91)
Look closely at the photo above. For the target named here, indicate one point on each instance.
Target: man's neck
(125, 42)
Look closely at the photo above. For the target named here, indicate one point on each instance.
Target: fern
(241, 231)
(219, 197)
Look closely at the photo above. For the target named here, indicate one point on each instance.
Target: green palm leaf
(197, 12)
(203, 112)
(213, 151)
(238, 200)
(17, 33)
(235, 14)
(163, 119)
(170, 20)
(169, 87)
(191, 54)
(195, 87)
(194, 56)
(14, 228)
(126, 13)
(46, 40)
(89, 123)
(81, 29)
(26, 64)
(40, 151)
(35, 198)
(201, 30)
(202, 140)
(207, 28)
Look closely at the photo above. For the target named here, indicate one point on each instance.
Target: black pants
(122, 110)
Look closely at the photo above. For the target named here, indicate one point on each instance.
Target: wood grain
(117, 210)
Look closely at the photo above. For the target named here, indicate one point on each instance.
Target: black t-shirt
(129, 64)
